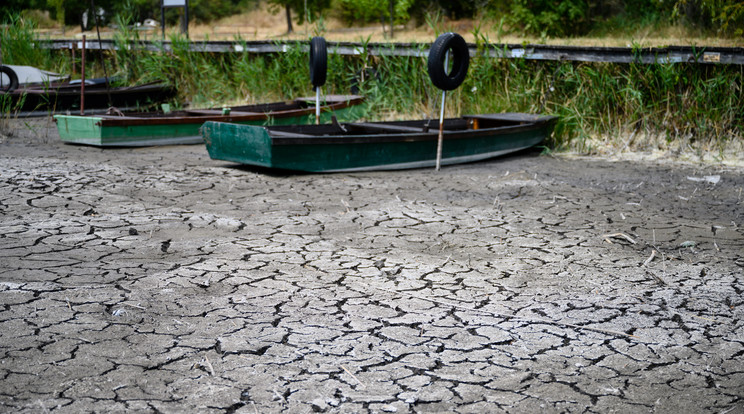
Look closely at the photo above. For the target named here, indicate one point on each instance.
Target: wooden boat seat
(384, 127)
(287, 134)
(216, 112)
(506, 116)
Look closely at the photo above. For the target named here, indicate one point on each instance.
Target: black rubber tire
(459, 58)
(13, 79)
(318, 61)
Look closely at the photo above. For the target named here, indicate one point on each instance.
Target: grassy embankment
(674, 108)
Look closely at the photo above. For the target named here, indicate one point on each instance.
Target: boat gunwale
(73, 90)
(242, 116)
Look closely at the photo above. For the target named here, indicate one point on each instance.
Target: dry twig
(650, 258)
(209, 365)
(354, 376)
(618, 236)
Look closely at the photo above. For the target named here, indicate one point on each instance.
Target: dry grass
(656, 147)
(261, 24)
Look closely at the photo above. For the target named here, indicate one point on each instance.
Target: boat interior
(414, 127)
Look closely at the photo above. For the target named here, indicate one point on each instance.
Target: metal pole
(186, 18)
(82, 80)
(441, 118)
(317, 105)
(162, 18)
(100, 48)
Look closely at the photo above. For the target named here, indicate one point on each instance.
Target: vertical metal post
(186, 18)
(100, 48)
(1, 63)
(317, 105)
(441, 118)
(162, 17)
(82, 81)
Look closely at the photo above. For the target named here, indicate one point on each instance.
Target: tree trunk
(289, 19)
(392, 12)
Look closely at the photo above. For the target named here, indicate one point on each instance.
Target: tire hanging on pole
(459, 59)
(318, 61)
(13, 84)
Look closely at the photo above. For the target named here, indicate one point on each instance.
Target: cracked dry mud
(159, 280)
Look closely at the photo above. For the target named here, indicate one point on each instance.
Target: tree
(303, 9)
(549, 17)
(14, 7)
(722, 16)
(71, 11)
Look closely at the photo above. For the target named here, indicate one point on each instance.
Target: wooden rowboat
(375, 145)
(182, 127)
(59, 97)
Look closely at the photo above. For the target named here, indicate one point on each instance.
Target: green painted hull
(298, 149)
(106, 131)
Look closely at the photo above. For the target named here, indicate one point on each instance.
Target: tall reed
(17, 39)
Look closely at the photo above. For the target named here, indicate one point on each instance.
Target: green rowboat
(375, 145)
(182, 127)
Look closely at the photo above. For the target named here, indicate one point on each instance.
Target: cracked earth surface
(158, 280)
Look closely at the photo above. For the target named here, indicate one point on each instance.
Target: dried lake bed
(158, 280)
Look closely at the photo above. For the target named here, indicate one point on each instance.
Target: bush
(725, 17)
(550, 18)
(366, 11)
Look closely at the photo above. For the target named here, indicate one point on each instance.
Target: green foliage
(551, 18)
(724, 17)
(672, 99)
(17, 41)
(209, 10)
(10, 8)
(366, 11)
(58, 6)
(199, 10)
(136, 10)
(312, 12)
(70, 12)
(537, 17)
(280, 76)
(618, 18)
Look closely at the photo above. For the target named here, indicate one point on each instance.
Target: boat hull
(58, 98)
(103, 131)
(328, 153)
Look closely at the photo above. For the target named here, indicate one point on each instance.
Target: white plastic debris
(712, 179)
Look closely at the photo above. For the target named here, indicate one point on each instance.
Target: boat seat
(506, 116)
(384, 127)
(287, 134)
(216, 112)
